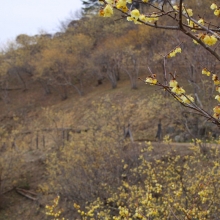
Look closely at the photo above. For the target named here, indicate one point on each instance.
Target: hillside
(41, 127)
(86, 134)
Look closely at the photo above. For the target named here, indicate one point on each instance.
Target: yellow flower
(187, 99)
(145, 1)
(178, 90)
(174, 52)
(76, 206)
(217, 82)
(124, 8)
(178, 50)
(143, 18)
(214, 77)
(125, 166)
(213, 6)
(188, 11)
(129, 1)
(218, 89)
(137, 22)
(192, 24)
(201, 21)
(135, 14)
(171, 54)
(213, 39)
(216, 116)
(206, 72)
(121, 3)
(176, 7)
(148, 19)
(130, 19)
(217, 12)
(217, 109)
(173, 83)
(133, 19)
(151, 80)
(217, 97)
(108, 11)
(209, 40)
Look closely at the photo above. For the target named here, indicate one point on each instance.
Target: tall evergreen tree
(89, 5)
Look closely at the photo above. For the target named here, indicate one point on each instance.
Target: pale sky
(33, 16)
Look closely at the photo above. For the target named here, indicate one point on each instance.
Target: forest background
(66, 102)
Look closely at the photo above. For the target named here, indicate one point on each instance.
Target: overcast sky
(32, 16)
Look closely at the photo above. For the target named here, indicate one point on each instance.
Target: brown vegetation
(74, 148)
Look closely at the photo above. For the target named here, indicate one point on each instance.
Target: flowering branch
(206, 38)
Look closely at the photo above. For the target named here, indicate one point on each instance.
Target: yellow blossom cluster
(138, 213)
(174, 52)
(218, 89)
(164, 187)
(192, 24)
(201, 21)
(122, 5)
(84, 214)
(216, 9)
(173, 83)
(175, 88)
(76, 206)
(135, 15)
(180, 92)
(151, 18)
(51, 209)
(216, 81)
(124, 212)
(186, 99)
(107, 11)
(216, 109)
(188, 11)
(151, 79)
(176, 7)
(206, 72)
(217, 97)
(207, 39)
